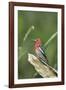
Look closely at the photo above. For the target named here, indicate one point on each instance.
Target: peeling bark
(43, 69)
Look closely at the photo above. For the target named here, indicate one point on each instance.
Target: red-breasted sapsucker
(39, 51)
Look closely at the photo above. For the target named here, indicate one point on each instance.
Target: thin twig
(28, 32)
(50, 39)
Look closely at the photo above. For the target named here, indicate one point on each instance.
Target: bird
(39, 51)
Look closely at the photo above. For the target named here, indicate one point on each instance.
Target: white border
(24, 81)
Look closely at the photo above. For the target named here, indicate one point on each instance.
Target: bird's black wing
(43, 52)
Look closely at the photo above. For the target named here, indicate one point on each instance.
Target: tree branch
(43, 69)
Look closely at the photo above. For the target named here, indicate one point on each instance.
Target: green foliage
(31, 25)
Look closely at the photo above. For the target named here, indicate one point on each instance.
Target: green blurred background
(45, 24)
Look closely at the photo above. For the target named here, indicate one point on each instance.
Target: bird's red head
(37, 43)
